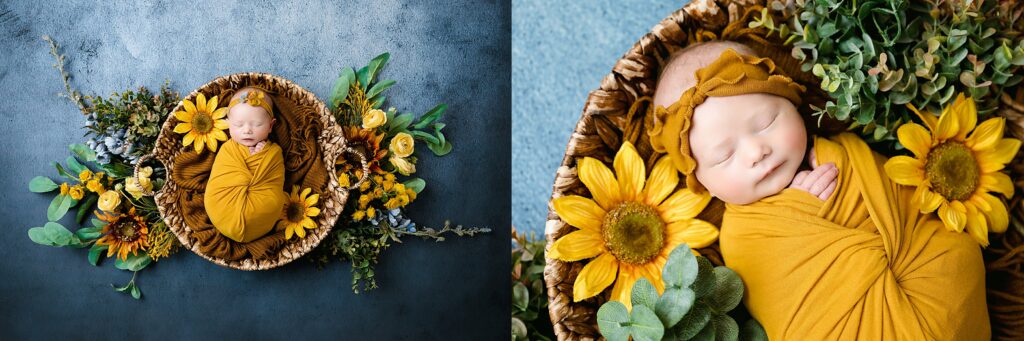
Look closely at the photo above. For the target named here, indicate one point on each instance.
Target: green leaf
(725, 328)
(98, 223)
(416, 184)
(440, 150)
(42, 184)
(429, 139)
(122, 289)
(117, 170)
(519, 331)
(95, 252)
(673, 305)
(752, 331)
(728, 290)
(60, 169)
(401, 122)
(645, 325)
(694, 321)
(379, 87)
(681, 268)
(376, 64)
(378, 101)
(520, 296)
(88, 233)
(74, 166)
(133, 262)
(613, 321)
(706, 334)
(83, 152)
(705, 277)
(431, 116)
(137, 294)
(363, 76)
(341, 86)
(86, 207)
(59, 206)
(52, 234)
(644, 293)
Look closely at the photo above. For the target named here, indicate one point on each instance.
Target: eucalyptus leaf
(681, 268)
(520, 296)
(88, 233)
(83, 152)
(645, 325)
(136, 293)
(95, 252)
(74, 166)
(62, 171)
(725, 328)
(644, 293)
(59, 206)
(673, 305)
(42, 184)
(122, 289)
(52, 234)
(728, 291)
(379, 87)
(705, 282)
(751, 330)
(416, 184)
(134, 262)
(440, 150)
(693, 322)
(613, 321)
(431, 116)
(706, 334)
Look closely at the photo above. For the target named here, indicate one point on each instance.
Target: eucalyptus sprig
(694, 305)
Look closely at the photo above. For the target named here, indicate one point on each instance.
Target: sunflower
(298, 211)
(202, 123)
(954, 172)
(630, 226)
(124, 233)
(368, 142)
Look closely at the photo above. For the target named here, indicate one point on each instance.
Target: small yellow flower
(378, 179)
(411, 193)
(364, 186)
(85, 175)
(64, 188)
(109, 201)
(98, 175)
(402, 165)
(402, 145)
(370, 212)
(399, 188)
(388, 185)
(364, 200)
(374, 118)
(391, 204)
(403, 200)
(389, 177)
(94, 186)
(358, 215)
(76, 192)
(377, 192)
(343, 180)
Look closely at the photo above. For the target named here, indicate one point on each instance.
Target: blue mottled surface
(457, 53)
(560, 52)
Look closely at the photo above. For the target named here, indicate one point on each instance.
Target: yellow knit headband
(730, 75)
(256, 98)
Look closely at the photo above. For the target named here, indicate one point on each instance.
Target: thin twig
(69, 93)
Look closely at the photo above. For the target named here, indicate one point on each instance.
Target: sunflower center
(633, 232)
(202, 122)
(294, 212)
(952, 170)
(125, 231)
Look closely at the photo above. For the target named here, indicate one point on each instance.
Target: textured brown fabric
(296, 131)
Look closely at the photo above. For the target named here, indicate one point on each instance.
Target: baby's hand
(256, 149)
(820, 182)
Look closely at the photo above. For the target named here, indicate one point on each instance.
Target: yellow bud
(370, 213)
(85, 175)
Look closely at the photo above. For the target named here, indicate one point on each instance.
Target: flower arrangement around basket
(97, 179)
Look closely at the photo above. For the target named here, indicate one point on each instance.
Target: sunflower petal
(220, 124)
(595, 277)
(190, 108)
(305, 192)
(949, 126)
(1003, 152)
(312, 199)
(307, 223)
(580, 212)
(211, 143)
(200, 143)
(623, 288)
(997, 182)
(577, 245)
(967, 113)
(976, 225)
(663, 180)
(928, 119)
(998, 219)
(201, 103)
(600, 181)
(695, 233)
(987, 135)
(684, 204)
(630, 171)
(182, 128)
(300, 232)
(652, 271)
(219, 135)
(187, 139)
(916, 138)
(212, 104)
(930, 201)
(219, 113)
(953, 215)
(289, 231)
(312, 212)
(905, 170)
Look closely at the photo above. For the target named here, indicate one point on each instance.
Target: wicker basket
(605, 120)
(331, 144)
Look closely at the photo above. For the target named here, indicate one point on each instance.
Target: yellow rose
(404, 166)
(109, 201)
(374, 118)
(137, 188)
(402, 145)
(145, 172)
(76, 192)
(84, 175)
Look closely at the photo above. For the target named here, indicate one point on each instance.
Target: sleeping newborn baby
(829, 248)
(245, 194)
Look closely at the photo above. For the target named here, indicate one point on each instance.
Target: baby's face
(748, 146)
(248, 124)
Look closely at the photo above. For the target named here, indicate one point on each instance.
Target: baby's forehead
(678, 74)
(247, 112)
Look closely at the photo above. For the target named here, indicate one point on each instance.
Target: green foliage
(140, 114)
(694, 305)
(530, 319)
(875, 56)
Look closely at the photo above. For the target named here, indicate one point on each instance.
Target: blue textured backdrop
(441, 52)
(560, 52)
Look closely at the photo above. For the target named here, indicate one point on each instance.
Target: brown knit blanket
(296, 132)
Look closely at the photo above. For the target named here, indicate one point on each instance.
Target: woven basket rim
(331, 143)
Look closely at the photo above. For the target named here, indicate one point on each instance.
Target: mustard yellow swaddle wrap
(865, 264)
(245, 194)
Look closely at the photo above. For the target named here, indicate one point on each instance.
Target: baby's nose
(757, 151)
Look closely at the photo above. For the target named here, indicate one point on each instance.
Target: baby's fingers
(823, 177)
(828, 190)
(799, 179)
